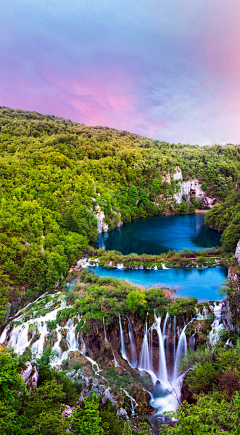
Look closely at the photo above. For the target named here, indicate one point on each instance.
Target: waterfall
(162, 357)
(37, 347)
(132, 346)
(19, 338)
(168, 334)
(95, 365)
(132, 400)
(115, 361)
(192, 342)
(164, 325)
(174, 336)
(107, 342)
(4, 334)
(164, 267)
(105, 333)
(56, 345)
(123, 352)
(144, 360)
(181, 350)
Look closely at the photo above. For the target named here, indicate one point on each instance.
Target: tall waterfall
(162, 357)
(123, 351)
(107, 342)
(144, 360)
(133, 351)
(174, 335)
(105, 333)
(181, 350)
(164, 325)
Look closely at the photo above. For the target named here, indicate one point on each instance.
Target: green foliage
(43, 364)
(12, 389)
(144, 429)
(226, 218)
(201, 378)
(136, 302)
(44, 408)
(55, 173)
(179, 306)
(212, 414)
(86, 419)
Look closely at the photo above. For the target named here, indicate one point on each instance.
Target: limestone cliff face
(102, 225)
(189, 188)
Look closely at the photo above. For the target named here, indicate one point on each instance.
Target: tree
(133, 195)
(86, 419)
(44, 410)
(212, 414)
(12, 390)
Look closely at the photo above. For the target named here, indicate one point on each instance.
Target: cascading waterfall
(181, 350)
(123, 351)
(95, 365)
(107, 342)
(132, 400)
(162, 357)
(217, 326)
(168, 334)
(192, 342)
(105, 333)
(144, 360)
(174, 335)
(34, 333)
(164, 325)
(133, 351)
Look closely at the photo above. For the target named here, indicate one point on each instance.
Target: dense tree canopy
(55, 173)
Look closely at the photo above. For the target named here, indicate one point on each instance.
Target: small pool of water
(203, 284)
(161, 234)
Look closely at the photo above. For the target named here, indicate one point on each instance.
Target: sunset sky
(166, 69)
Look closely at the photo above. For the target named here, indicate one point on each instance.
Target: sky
(165, 69)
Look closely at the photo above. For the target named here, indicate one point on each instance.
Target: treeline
(54, 176)
(226, 218)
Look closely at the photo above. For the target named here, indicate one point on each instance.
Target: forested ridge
(55, 173)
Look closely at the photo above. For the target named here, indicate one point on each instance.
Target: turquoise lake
(203, 284)
(160, 234)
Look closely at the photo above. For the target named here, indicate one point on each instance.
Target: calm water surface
(160, 234)
(203, 284)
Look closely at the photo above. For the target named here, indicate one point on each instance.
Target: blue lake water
(203, 284)
(161, 234)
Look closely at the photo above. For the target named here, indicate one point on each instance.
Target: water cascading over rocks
(154, 346)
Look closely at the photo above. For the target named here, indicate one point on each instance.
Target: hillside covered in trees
(55, 175)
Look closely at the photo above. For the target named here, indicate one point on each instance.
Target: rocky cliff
(190, 188)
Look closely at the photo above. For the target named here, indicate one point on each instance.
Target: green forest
(54, 174)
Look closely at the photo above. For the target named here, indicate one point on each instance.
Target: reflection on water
(160, 234)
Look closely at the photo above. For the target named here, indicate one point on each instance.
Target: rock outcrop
(102, 225)
(30, 374)
(191, 187)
